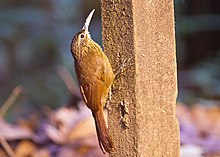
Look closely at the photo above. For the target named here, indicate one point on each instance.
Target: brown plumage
(95, 77)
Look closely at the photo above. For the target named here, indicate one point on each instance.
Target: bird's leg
(110, 93)
(118, 72)
(108, 98)
(120, 69)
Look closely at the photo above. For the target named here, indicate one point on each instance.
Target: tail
(102, 132)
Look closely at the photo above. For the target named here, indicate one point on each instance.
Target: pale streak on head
(88, 19)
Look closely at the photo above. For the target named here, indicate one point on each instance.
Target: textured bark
(142, 117)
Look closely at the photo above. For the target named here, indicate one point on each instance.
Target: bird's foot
(122, 67)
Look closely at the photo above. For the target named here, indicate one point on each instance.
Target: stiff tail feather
(102, 132)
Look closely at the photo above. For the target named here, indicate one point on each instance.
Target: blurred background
(35, 39)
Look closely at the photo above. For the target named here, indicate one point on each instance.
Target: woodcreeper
(95, 77)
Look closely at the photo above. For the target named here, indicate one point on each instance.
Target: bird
(95, 78)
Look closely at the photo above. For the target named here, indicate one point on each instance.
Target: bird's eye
(82, 36)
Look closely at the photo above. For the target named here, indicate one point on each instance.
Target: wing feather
(95, 80)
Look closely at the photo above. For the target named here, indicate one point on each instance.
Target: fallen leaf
(14, 132)
(44, 152)
(25, 148)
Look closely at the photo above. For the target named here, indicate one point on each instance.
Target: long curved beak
(88, 19)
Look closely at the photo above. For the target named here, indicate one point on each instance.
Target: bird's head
(80, 40)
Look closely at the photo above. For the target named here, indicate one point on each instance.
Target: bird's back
(95, 76)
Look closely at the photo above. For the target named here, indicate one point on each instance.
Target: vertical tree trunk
(142, 117)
